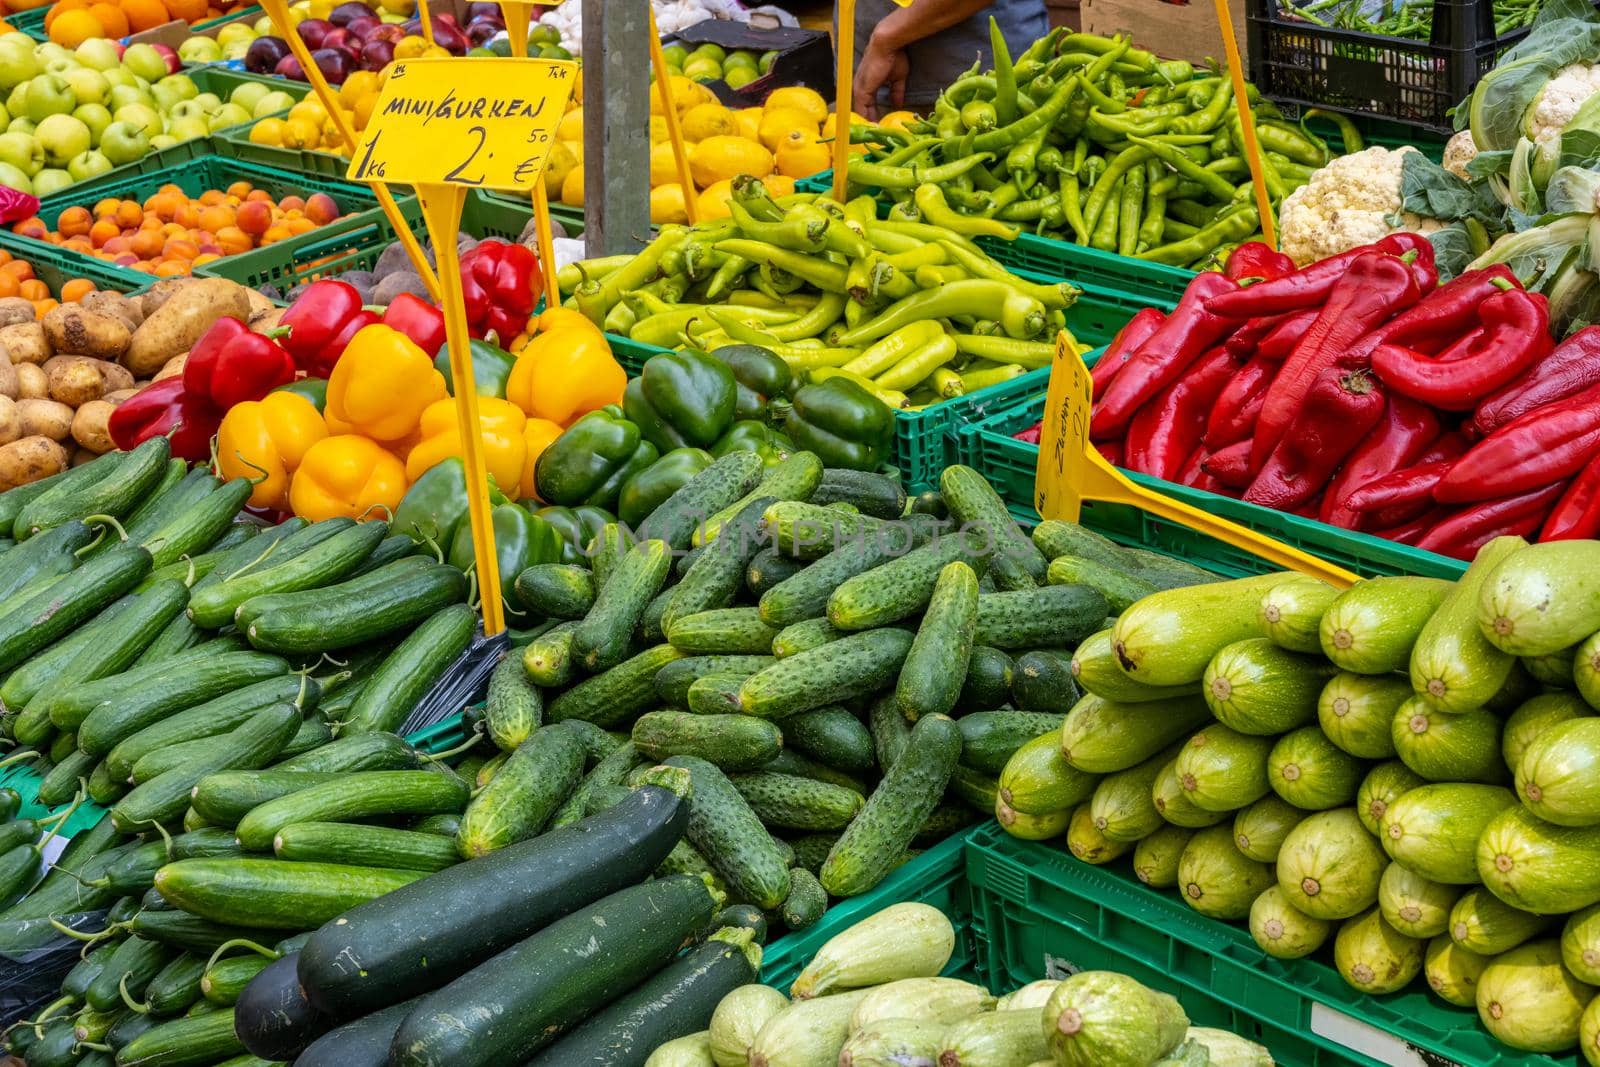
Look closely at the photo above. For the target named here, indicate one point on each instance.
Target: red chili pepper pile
(1359, 392)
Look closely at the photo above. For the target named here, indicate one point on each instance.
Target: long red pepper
(1277, 344)
(1340, 410)
(1449, 446)
(1462, 534)
(1405, 486)
(1409, 533)
(1127, 341)
(1167, 430)
(1404, 432)
(1516, 335)
(1548, 445)
(1570, 368)
(1444, 314)
(1375, 287)
(1195, 476)
(1577, 514)
(1187, 334)
(1110, 450)
(1233, 417)
(1230, 466)
(1256, 261)
(1311, 286)
(1243, 341)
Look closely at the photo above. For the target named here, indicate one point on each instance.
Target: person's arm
(884, 60)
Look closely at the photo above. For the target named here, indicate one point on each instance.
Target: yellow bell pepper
(268, 439)
(348, 476)
(565, 373)
(500, 425)
(538, 434)
(381, 385)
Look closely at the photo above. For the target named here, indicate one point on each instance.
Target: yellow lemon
(799, 98)
(561, 163)
(570, 128)
(301, 132)
(830, 124)
(709, 120)
(572, 187)
(663, 165)
(799, 156)
(666, 204)
(410, 47)
(749, 120)
(779, 185)
(357, 85)
(896, 120)
(658, 130)
(684, 95)
(725, 158)
(778, 123)
(309, 109)
(267, 131)
(712, 203)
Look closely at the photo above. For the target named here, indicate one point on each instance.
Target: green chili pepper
(1288, 141)
(797, 356)
(933, 277)
(1056, 295)
(974, 378)
(887, 177)
(818, 272)
(1347, 130)
(1173, 230)
(1155, 210)
(1128, 214)
(1030, 354)
(1228, 228)
(885, 283)
(931, 205)
(1208, 117)
(1175, 158)
(1005, 79)
(568, 278)
(1020, 315)
(920, 363)
(1100, 196)
(1103, 234)
(1040, 119)
(813, 322)
(889, 350)
(968, 88)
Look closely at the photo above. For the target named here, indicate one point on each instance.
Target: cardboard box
(1171, 30)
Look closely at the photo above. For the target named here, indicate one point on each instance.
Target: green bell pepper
(491, 367)
(313, 389)
(749, 435)
(760, 376)
(591, 459)
(845, 425)
(521, 540)
(577, 527)
(682, 400)
(648, 489)
(435, 507)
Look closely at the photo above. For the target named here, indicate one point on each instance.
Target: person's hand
(880, 66)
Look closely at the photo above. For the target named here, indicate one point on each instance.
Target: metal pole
(616, 128)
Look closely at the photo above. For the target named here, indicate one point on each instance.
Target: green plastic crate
(441, 736)
(1037, 912)
(1010, 466)
(31, 23)
(26, 782)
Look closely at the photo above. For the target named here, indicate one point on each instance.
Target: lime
(484, 52)
(554, 51)
(675, 54)
(767, 59)
(541, 34)
(738, 77)
(702, 68)
(500, 47)
(713, 51)
(740, 59)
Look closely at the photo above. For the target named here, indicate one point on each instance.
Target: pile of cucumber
(1404, 772)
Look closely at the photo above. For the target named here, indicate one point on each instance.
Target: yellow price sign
(483, 123)
(1071, 470)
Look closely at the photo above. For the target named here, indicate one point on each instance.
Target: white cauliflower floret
(1352, 201)
(1458, 152)
(1559, 100)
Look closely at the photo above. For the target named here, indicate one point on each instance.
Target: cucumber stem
(240, 942)
(133, 1005)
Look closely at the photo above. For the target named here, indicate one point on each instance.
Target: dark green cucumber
(114, 494)
(13, 500)
(619, 694)
(673, 681)
(26, 681)
(359, 795)
(174, 474)
(1119, 589)
(988, 738)
(61, 783)
(606, 548)
(612, 770)
(990, 673)
(1054, 538)
(1015, 562)
(597, 743)
(675, 520)
(650, 631)
(273, 1017)
(795, 477)
(557, 590)
(902, 586)
(524, 793)
(273, 893)
(216, 716)
(365, 846)
(716, 694)
(600, 641)
(850, 667)
(732, 742)
(1052, 616)
(158, 511)
(104, 789)
(134, 964)
(132, 1025)
(196, 529)
(811, 850)
(548, 657)
(228, 796)
(164, 797)
(805, 594)
(767, 569)
(84, 971)
(391, 549)
(832, 735)
(675, 1002)
(722, 632)
(796, 803)
(311, 734)
(1164, 572)
(73, 599)
(135, 871)
(936, 667)
(176, 986)
(715, 576)
(513, 708)
(359, 752)
(193, 1041)
(976, 789)
(811, 531)
(362, 1042)
(179, 929)
(119, 718)
(68, 707)
(368, 959)
(362, 609)
(873, 842)
(225, 979)
(731, 837)
(1043, 681)
(804, 636)
(877, 495)
(407, 673)
(338, 547)
(52, 553)
(806, 902)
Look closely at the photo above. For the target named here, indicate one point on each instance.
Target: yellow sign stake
(1072, 471)
(1247, 123)
(517, 19)
(427, 20)
(669, 111)
(444, 126)
(845, 43)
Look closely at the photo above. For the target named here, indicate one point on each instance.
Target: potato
(158, 294)
(8, 380)
(31, 382)
(15, 309)
(258, 302)
(75, 380)
(77, 331)
(29, 459)
(26, 342)
(10, 421)
(116, 375)
(172, 367)
(128, 310)
(80, 456)
(266, 321)
(91, 426)
(179, 322)
(118, 396)
(47, 418)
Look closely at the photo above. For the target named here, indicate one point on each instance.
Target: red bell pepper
(1573, 366)
(319, 322)
(1110, 451)
(1515, 336)
(1577, 514)
(1256, 261)
(1404, 433)
(1232, 418)
(418, 320)
(1549, 444)
(500, 284)
(1230, 466)
(230, 365)
(1374, 288)
(1462, 534)
(167, 409)
(1277, 344)
(1187, 334)
(1127, 341)
(1341, 409)
(1167, 430)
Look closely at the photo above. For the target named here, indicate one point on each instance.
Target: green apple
(62, 137)
(248, 94)
(20, 124)
(199, 50)
(16, 179)
(263, 26)
(189, 127)
(17, 100)
(145, 61)
(163, 140)
(98, 53)
(17, 61)
(237, 31)
(48, 94)
(124, 95)
(48, 50)
(141, 115)
(117, 76)
(95, 116)
(124, 142)
(61, 64)
(237, 50)
(50, 181)
(86, 165)
(275, 101)
(208, 102)
(21, 151)
(182, 83)
(227, 115)
(88, 85)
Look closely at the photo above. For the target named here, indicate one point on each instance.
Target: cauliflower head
(1559, 100)
(1353, 201)
(1458, 152)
